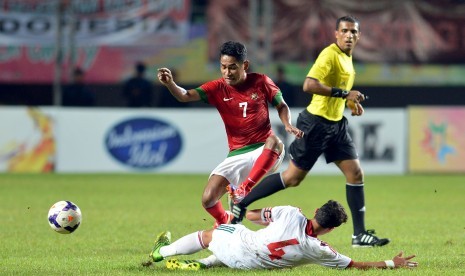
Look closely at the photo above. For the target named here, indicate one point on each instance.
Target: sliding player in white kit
(289, 240)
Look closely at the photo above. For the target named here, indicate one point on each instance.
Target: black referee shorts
(321, 136)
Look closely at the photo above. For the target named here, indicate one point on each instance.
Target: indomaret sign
(101, 22)
(103, 37)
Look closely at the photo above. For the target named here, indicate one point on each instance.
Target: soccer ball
(64, 217)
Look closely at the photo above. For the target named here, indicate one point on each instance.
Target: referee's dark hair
(348, 18)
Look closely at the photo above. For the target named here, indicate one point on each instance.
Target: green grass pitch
(122, 214)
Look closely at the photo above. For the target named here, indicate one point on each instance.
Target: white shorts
(236, 168)
(228, 246)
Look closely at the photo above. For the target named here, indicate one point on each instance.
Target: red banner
(108, 38)
(116, 23)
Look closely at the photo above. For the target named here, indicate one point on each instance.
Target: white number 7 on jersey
(276, 248)
(244, 106)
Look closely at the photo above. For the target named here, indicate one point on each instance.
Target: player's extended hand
(400, 261)
(297, 132)
(356, 108)
(164, 76)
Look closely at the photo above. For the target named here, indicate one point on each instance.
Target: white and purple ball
(64, 217)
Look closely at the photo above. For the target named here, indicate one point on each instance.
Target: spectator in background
(138, 90)
(286, 87)
(77, 93)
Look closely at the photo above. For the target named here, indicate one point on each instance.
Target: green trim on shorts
(245, 149)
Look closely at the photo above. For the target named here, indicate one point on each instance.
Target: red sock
(264, 163)
(217, 211)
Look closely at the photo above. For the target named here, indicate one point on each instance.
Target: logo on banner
(143, 143)
(435, 142)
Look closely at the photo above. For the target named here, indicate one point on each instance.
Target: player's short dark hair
(234, 49)
(347, 18)
(331, 214)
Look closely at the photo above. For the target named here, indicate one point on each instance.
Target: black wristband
(339, 93)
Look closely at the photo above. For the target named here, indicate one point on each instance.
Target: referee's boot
(368, 239)
(238, 212)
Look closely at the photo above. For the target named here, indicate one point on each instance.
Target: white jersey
(285, 242)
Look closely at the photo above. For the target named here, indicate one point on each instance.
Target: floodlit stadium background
(409, 61)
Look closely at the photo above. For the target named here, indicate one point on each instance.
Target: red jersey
(243, 108)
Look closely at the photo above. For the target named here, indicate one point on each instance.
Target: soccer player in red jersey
(242, 100)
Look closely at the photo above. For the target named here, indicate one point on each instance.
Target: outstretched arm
(166, 78)
(397, 262)
(314, 86)
(285, 116)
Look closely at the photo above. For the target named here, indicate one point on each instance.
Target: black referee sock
(356, 201)
(268, 186)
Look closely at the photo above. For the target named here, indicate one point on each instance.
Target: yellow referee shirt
(335, 69)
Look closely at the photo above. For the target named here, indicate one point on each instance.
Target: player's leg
(302, 161)
(354, 192)
(356, 200)
(228, 248)
(206, 238)
(232, 171)
(343, 153)
(291, 177)
(189, 244)
(271, 184)
(215, 189)
(266, 161)
(304, 153)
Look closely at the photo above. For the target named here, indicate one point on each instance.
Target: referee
(330, 81)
